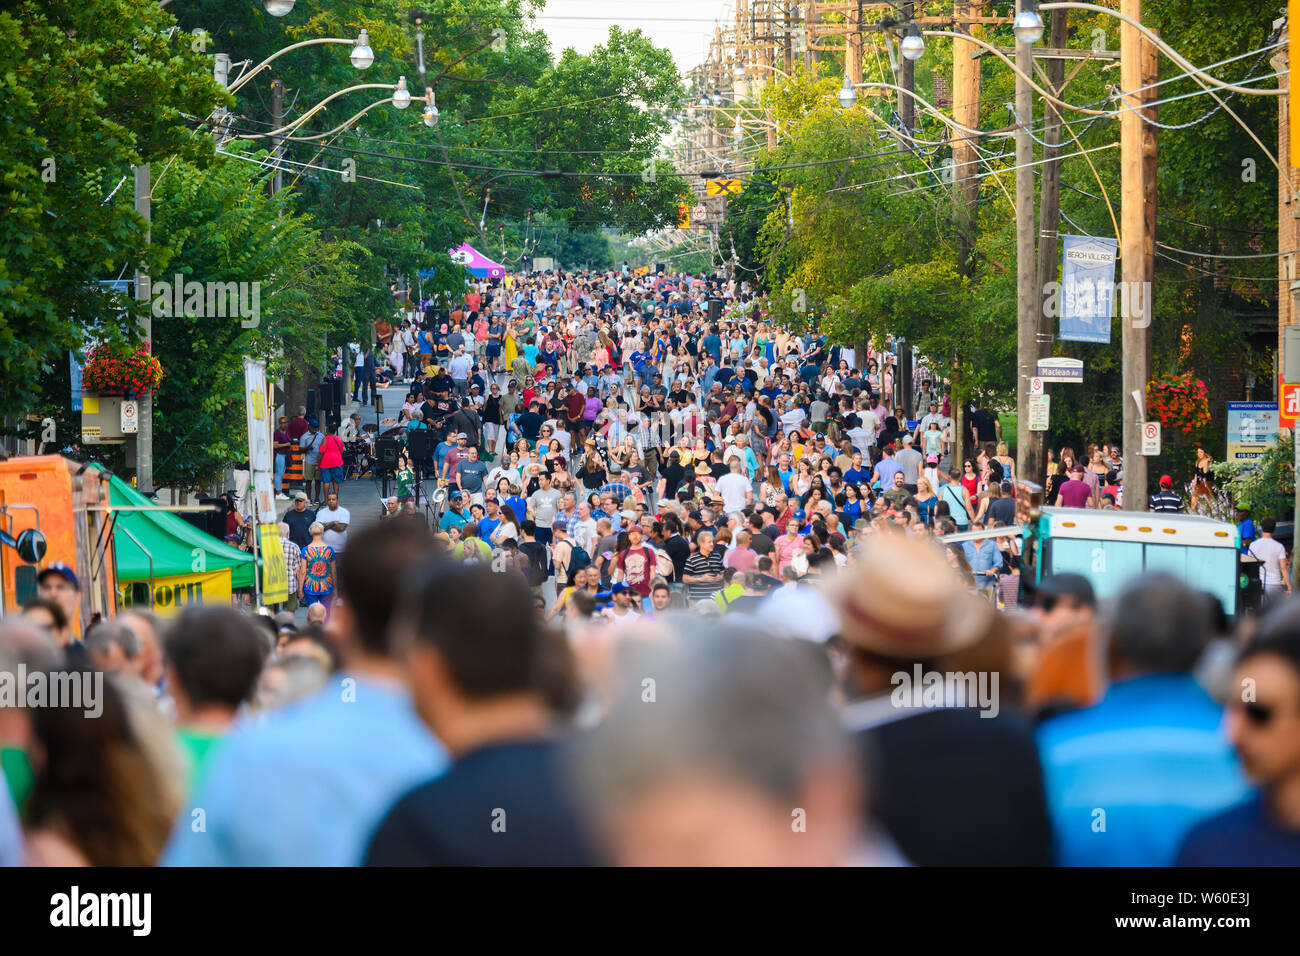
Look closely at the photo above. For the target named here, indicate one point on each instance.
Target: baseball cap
(63, 571)
(457, 493)
(932, 459)
(907, 439)
(313, 422)
(621, 587)
(800, 515)
(299, 496)
(628, 513)
(559, 524)
(1166, 481)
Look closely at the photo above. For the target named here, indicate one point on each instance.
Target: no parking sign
(130, 417)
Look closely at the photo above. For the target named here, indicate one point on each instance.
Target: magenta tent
(477, 263)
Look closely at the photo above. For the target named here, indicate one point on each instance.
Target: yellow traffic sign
(721, 187)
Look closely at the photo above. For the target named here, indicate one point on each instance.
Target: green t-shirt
(18, 774)
(198, 746)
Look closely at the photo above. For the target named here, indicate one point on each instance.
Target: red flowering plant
(1179, 402)
(114, 373)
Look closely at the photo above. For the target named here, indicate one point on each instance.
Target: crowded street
(639, 495)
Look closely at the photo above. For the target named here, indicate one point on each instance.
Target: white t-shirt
(1269, 553)
(733, 488)
(335, 539)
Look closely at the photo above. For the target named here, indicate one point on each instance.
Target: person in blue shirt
(1246, 525)
(857, 474)
(984, 558)
(455, 516)
(1264, 728)
(490, 520)
(712, 343)
(1128, 777)
(309, 785)
(440, 452)
(886, 468)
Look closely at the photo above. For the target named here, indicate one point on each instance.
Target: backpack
(578, 559)
(538, 569)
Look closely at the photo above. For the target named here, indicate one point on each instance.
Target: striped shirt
(698, 564)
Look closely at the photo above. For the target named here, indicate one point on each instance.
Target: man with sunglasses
(1128, 777)
(1263, 724)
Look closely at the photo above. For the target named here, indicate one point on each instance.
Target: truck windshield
(1110, 564)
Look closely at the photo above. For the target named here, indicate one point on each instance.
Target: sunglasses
(1258, 714)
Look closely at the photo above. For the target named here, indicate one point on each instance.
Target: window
(1108, 565)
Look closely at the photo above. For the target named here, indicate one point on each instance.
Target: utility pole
(1028, 302)
(277, 119)
(1135, 334)
(144, 434)
(1288, 227)
(966, 111)
(853, 44)
(907, 79)
(1049, 219)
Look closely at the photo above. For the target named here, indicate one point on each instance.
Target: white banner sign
(260, 459)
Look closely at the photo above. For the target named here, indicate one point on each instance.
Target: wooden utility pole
(144, 433)
(907, 78)
(1028, 301)
(1049, 217)
(853, 44)
(1135, 331)
(966, 111)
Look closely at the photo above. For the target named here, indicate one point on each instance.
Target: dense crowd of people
(683, 601)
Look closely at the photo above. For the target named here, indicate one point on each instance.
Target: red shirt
(297, 428)
(1075, 494)
(638, 567)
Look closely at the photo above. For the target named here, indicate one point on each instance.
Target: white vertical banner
(260, 460)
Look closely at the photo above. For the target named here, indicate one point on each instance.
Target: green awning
(171, 540)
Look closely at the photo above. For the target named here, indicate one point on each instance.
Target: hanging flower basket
(108, 373)
(1179, 402)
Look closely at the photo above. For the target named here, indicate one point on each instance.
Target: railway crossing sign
(721, 187)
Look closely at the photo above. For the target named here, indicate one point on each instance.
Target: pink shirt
(786, 550)
(742, 559)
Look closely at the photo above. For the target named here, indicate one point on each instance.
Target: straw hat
(902, 600)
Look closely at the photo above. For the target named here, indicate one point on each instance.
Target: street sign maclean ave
(1039, 412)
(1061, 370)
(1150, 438)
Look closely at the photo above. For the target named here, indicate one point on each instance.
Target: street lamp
(430, 114)
(1028, 25)
(401, 95)
(362, 55)
(847, 94)
(278, 8)
(738, 131)
(912, 45)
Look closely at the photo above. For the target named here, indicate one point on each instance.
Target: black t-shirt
(1003, 511)
(299, 522)
(985, 424)
(504, 804)
(530, 423)
(672, 475)
(761, 543)
(679, 550)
